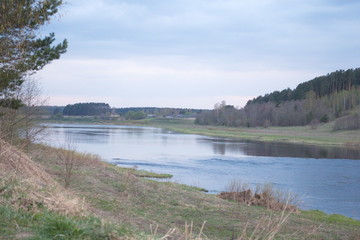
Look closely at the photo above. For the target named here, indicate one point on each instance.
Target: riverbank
(119, 205)
(323, 135)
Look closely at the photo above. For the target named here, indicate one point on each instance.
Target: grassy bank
(322, 135)
(117, 204)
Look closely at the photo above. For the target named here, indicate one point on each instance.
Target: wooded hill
(323, 99)
(334, 82)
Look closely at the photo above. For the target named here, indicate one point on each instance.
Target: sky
(196, 53)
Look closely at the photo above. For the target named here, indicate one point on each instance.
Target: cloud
(142, 50)
(279, 32)
(145, 81)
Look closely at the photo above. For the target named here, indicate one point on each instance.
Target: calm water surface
(325, 178)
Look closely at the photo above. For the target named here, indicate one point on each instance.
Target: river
(324, 178)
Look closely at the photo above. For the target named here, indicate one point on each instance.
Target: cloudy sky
(195, 53)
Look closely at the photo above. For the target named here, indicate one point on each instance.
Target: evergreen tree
(87, 109)
(21, 51)
(322, 86)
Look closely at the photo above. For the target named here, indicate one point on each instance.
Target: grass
(301, 135)
(21, 224)
(20, 218)
(146, 174)
(183, 186)
(116, 195)
(331, 218)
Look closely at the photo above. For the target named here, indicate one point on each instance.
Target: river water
(324, 178)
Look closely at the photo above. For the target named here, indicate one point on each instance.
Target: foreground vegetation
(103, 201)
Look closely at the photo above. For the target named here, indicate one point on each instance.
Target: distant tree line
(307, 104)
(87, 109)
(101, 109)
(159, 112)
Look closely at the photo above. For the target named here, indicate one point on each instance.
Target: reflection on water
(326, 178)
(254, 148)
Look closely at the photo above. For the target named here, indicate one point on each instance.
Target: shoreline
(304, 135)
(155, 177)
(127, 123)
(115, 195)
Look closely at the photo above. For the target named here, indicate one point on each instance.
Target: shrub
(265, 195)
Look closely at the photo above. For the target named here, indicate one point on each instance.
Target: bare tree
(69, 161)
(20, 125)
(31, 96)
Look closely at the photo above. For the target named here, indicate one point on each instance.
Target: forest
(334, 82)
(335, 96)
(87, 109)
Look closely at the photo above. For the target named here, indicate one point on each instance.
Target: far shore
(323, 135)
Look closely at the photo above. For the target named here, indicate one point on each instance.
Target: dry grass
(179, 234)
(266, 196)
(25, 176)
(16, 162)
(267, 228)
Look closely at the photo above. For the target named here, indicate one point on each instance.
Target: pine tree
(21, 51)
